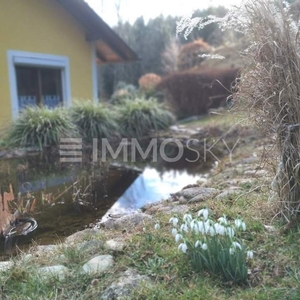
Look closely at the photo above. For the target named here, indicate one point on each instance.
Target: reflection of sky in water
(151, 186)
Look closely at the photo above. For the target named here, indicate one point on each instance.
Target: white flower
(178, 236)
(250, 254)
(240, 224)
(182, 247)
(194, 226)
(174, 231)
(231, 251)
(204, 246)
(204, 212)
(156, 226)
(230, 232)
(223, 220)
(187, 218)
(201, 226)
(236, 245)
(212, 231)
(144, 229)
(174, 220)
(184, 227)
(220, 229)
(197, 244)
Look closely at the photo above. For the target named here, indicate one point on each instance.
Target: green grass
(139, 117)
(273, 273)
(40, 127)
(94, 120)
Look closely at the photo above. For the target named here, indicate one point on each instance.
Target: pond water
(64, 198)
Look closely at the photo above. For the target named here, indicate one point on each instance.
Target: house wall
(43, 26)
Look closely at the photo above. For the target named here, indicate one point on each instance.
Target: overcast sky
(130, 10)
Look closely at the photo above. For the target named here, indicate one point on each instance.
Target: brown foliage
(6, 217)
(149, 81)
(189, 54)
(194, 93)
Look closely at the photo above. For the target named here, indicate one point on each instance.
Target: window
(38, 79)
(39, 86)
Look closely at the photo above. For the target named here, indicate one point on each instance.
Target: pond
(66, 197)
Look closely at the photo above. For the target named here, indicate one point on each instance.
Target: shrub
(190, 54)
(194, 93)
(213, 246)
(148, 82)
(139, 116)
(41, 127)
(123, 91)
(94, 120)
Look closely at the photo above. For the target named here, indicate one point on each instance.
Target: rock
(196, 194)
(241, 181)
(168, 207)
(45, 249)
(153, 204)
(127, 222)
(53, 271)
(228, 194)
(19, 152)
(115, 245)
(92, 246)
(270, 228)
(124, 286)
(182, 200)
(176, 209)
(98, 264)
(80, 236)
(5, 265)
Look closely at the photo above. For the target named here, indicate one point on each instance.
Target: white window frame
(21, 58)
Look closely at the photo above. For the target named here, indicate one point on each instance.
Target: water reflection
(151, 186)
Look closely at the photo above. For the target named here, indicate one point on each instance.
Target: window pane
(27, 85)
(51, 87)
(39, 86)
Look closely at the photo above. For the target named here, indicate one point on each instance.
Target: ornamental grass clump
(213, 246)
(94, 120)
(140, 116)
(269, 84)
(41, 127)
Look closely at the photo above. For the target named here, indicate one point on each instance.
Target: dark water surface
(70, 197)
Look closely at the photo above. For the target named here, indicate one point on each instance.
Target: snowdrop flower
(187, 218)
(182, 247)
(194, 226)
(240, 224)
(197, 244)
(223, 220)
(144, 229)
(220, 229)
(203, 212)
(174, 221)
(231, 251)
(236, 245)
(174, 231)
(178, 236)
(211, 231)
(184, 227)
(230, 232)
(201, 226)
(204, 246)
(250, 254)
(156, 226)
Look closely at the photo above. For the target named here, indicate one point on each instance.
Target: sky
(130, 10)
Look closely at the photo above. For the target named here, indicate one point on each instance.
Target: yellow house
(49, 51)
